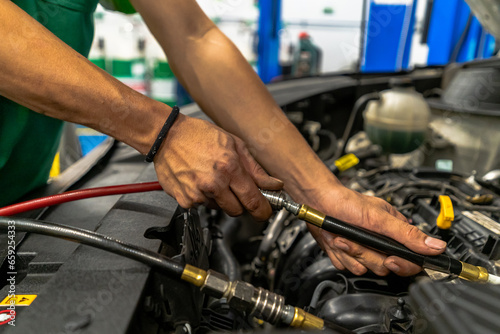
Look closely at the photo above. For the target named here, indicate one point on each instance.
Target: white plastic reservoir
(398, 121)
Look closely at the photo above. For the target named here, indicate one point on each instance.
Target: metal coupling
(262, 303)
(280, 200)
(474, 273)
(216, 284)
(243, 296)
(268, 305)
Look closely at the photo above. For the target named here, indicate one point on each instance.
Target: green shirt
(28, 140)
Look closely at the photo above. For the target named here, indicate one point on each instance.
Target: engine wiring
(456, 193)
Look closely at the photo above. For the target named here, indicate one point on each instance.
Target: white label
(483, 220)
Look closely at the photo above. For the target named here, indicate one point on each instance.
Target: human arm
(228, 90)
(197, 162)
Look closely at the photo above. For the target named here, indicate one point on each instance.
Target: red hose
(78, 194)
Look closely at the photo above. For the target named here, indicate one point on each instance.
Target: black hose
(155, 260)
(358, 106)
(224, 261)
(327, 153)
(388, 246)
(222, 258)
(322, 286)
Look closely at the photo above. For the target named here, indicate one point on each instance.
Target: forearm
(42, 73)
(251, 113)
(231, 93)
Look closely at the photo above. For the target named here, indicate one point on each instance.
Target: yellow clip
(446, 215)
(345, 162)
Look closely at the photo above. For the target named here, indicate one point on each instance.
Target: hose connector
(311, 215)
(474, 273)
(305, 320)
(280, 200)
(244, 297)
(194, 275)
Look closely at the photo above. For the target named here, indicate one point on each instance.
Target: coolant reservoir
(398, 121)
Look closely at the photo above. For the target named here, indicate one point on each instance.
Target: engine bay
(80, 289)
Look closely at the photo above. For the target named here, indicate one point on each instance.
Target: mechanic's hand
(379, 216)
(200, 163)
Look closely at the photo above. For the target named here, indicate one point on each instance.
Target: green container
(397, 142)
(398, 121)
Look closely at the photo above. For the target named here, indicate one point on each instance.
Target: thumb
(256, 172)
(413, 238)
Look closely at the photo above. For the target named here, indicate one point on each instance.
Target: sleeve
(123, 6)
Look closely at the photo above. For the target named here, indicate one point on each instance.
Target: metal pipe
(271, 235)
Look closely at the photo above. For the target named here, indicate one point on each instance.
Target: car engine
(80, 289)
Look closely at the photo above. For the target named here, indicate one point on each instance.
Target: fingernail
(277, 180)
(392, 267)
(435, 243)
(342, 245)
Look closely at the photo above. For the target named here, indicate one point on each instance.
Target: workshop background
(287, 38)
(399, 99)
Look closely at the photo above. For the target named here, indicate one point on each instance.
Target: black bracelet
(163, 133)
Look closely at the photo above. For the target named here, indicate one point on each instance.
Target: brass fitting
(302, 319)
(474, 273)
(245, 297)
(311, 215)
(194, 275)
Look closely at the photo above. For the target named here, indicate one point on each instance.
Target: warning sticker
(18, 300)
(483, 220)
